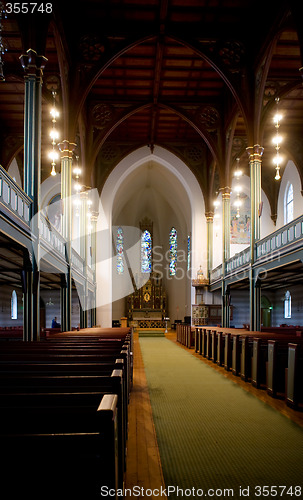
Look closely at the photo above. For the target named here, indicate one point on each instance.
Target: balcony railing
(14, 198)
(288, 237)
(240, 259)
(216, 273)
(77, 261)
(49, 235)
(281, 240)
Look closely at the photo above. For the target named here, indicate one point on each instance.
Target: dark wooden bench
(73, 438)
(186, 334)
(278, 351)
(294, 376)
(50, 384)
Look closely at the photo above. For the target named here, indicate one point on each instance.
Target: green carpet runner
(213, 435)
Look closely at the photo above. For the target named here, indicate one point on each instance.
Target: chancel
(151, 182)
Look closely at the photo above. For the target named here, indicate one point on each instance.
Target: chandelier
(238, 189)
(277, 141)
(53, 154)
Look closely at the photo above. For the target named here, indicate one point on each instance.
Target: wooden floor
(143, 468)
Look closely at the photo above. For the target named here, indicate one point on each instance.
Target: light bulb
(277, 118)
(238, 173)
(77, 171)
(54, 113)
(54, 134)
(53, 155)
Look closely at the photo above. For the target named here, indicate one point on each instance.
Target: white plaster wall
(290, 175)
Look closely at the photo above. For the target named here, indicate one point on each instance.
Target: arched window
(289, 204)
(146, 252)
(173, 245)
(188, 253)
(119, 248)
(14, 306)
(287, 305)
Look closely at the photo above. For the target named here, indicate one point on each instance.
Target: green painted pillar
(94, 219)
(255, 161)
(226, 252)
(33, 65)
(66, 149)
(83, 255)
(210, 239)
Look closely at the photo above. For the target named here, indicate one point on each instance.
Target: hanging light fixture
(50, 302)
(3, 47)
(277, 141)
(238, 189)
(54, 155)
(77, 170)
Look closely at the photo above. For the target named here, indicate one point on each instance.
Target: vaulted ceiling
(198, 77)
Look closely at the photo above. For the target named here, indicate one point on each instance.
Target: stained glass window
(119, 248)
(188, 253)
(146, 252)
(173, 251)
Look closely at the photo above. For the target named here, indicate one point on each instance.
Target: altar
(146, 307)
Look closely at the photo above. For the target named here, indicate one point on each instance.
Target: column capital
(225, 191)
(255, 152)
(32, 63)
(209, 216)
(66, 148)
(94, 216)
(83, 195)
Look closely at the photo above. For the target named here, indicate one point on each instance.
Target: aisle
(214, 435)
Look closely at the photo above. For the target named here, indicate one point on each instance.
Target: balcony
(288, 238)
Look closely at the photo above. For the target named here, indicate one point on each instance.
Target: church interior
(151, 183)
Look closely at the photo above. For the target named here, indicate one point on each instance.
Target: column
(83, 254)
(225, 225)
(26, 280)
(225, 306)
(255, 160)
(210, 239)
(94, 219)
(66, 149)
(226, 251)
(33, 65)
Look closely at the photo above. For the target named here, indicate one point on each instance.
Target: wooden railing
(280, 241)
(14, 198)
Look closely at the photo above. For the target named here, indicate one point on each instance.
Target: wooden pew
(294, 374)
(185, 334)
(71, 448)
(61, 366)
(16, 384)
